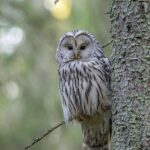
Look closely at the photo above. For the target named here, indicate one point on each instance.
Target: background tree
(131, 74)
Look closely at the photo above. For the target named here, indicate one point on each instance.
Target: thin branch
(44, 135)
(105, 45)
(107, 13)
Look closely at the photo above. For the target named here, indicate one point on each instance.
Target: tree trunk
(131, 74)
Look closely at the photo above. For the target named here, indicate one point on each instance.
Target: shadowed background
(29, 96)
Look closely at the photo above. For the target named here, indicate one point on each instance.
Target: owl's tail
(97, 135)
(104, 146)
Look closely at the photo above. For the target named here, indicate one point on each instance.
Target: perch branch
(44, 135)
(108, 43)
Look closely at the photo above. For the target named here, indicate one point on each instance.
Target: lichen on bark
(130, 30)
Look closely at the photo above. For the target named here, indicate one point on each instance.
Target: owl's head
(77, 45)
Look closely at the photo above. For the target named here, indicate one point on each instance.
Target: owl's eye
(69, 47)
(82, 47)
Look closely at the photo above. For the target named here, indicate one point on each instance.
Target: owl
(85, 86)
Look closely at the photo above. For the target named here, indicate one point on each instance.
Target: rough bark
(131, 74)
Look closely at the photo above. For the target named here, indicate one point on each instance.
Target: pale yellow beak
(77, 56)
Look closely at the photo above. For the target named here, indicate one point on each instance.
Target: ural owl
(85, 88)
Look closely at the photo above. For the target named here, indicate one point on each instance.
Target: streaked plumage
(84, 81)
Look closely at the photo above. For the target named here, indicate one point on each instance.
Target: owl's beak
(77, 55)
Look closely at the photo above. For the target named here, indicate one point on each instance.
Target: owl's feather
(84, 88)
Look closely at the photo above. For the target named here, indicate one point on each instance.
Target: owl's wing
(107, 68)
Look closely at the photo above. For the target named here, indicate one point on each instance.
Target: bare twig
(107, 13)
(105, 45)
(44, 135)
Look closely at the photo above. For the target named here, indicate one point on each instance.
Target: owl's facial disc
(76, 47)
(70, 47)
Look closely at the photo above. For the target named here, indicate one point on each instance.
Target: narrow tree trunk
(131, 74)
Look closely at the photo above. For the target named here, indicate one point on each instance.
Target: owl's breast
(83, 88)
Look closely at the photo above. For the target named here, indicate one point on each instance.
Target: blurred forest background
(29, 96)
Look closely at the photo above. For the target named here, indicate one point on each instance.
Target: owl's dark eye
(82, 47)
(69, 47)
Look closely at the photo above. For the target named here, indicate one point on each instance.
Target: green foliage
(29, 96)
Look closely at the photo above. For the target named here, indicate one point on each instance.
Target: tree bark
(131, 74)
